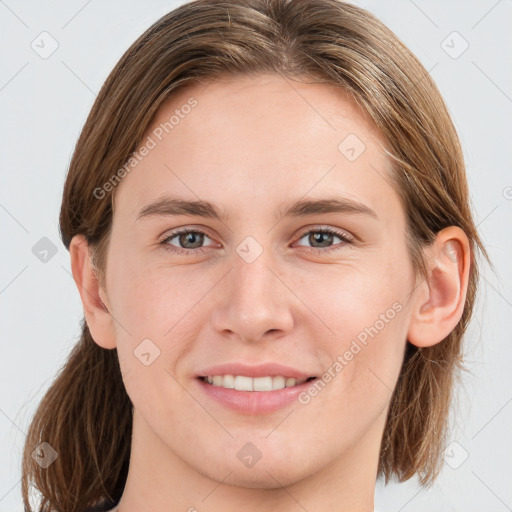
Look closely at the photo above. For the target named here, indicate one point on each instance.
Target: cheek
(162, 305)
(154, 298)
(364, 309)
(157, 308)
(355, 297)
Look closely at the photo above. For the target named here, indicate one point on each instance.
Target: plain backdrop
(465, 45)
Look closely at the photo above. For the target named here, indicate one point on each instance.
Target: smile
(244, 383)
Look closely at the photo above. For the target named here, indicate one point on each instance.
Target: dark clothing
(102, 507)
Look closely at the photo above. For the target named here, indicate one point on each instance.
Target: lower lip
(253, 403)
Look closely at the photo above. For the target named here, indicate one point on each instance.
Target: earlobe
(94, 298)
(440, 298)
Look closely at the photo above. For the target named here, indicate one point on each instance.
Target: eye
(322, 238)
(191, 240)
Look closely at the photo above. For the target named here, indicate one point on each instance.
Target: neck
(160, 481)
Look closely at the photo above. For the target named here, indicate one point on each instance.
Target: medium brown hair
(86, 414)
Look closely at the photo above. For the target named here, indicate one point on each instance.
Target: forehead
(257, 140)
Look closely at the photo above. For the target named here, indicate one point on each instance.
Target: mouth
(266, 389)
(260, 384)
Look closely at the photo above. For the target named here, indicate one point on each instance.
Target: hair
(86, 414)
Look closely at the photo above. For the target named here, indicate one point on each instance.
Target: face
(256, 291)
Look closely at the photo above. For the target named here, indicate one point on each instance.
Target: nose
(253, 303)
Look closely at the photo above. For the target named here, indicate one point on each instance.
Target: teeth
(227, 382)
(290, 382)
(243, 383)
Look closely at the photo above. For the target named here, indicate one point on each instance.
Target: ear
(94, 298)
(440, 298)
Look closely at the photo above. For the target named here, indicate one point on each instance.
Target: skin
(248, 146)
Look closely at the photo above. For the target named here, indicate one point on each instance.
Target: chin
(262, 476)
(267, 468)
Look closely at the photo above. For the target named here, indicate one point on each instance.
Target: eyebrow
(173, 206)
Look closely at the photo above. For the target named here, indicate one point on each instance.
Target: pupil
(184, 238)
(318, 236)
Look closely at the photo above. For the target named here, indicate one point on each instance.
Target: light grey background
(44, 103)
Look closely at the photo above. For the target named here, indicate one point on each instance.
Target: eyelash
(190, 252)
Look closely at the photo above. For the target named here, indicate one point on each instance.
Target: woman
(306, 341)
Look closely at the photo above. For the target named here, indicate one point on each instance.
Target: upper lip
(257, 370)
